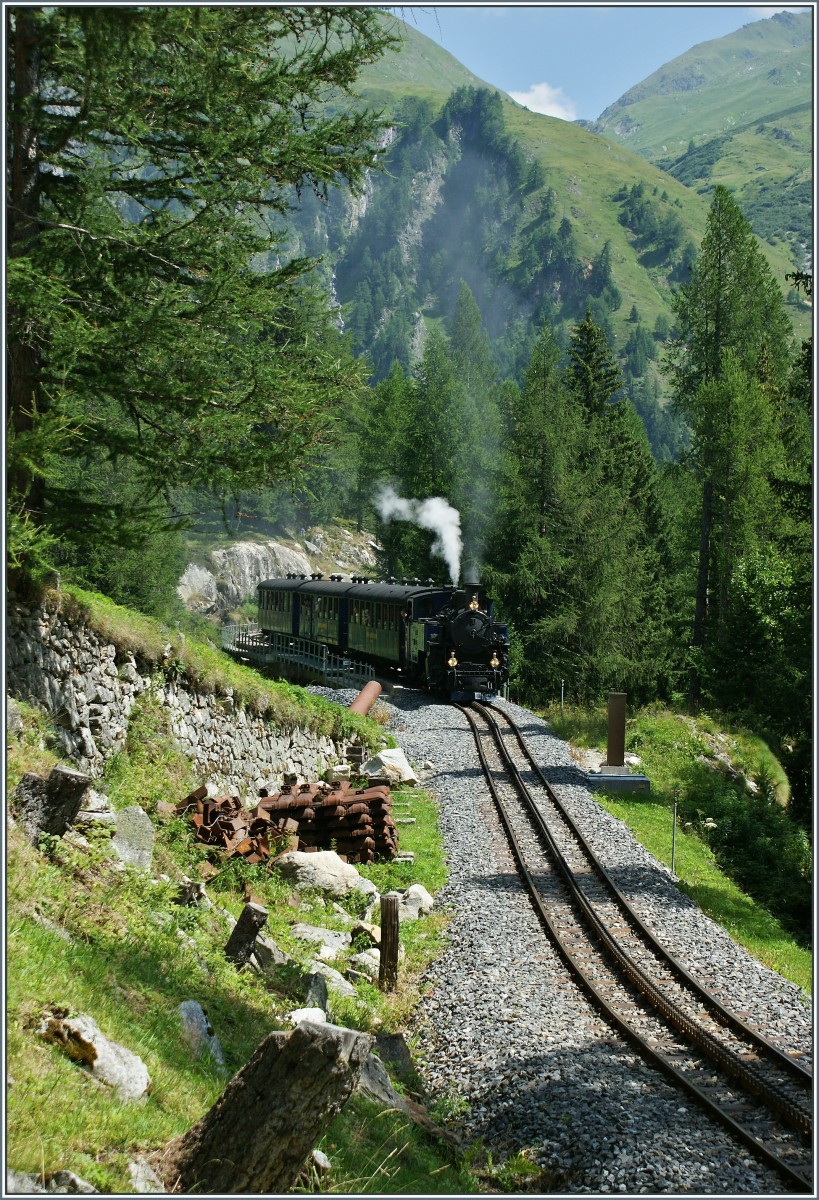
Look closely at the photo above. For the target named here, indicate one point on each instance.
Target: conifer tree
(153, 153)
(594, 376)
(478, 426)
(732, 330)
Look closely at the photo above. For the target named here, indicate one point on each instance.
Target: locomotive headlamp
(473, 603)
(494, 662)
(452, 660)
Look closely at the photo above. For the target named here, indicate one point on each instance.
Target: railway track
(761, 1093)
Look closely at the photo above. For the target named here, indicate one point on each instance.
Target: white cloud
(551, 101)
(769, 10)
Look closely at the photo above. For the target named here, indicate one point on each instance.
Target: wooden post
(256, 1137)
(241, 943)
(616, 749)
(388, 969)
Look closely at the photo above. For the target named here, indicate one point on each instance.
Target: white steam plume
(434, 513)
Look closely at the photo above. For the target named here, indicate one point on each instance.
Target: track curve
(760, 1093)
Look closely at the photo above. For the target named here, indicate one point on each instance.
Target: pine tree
(153, 153)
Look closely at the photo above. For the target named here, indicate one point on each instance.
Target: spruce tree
(477, 442)
(594, 376)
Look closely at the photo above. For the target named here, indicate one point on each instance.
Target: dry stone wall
(89, 687)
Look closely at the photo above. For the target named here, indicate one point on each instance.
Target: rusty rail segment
(592, 952)
(355, 822)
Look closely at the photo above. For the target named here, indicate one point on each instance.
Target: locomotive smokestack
(471, 574)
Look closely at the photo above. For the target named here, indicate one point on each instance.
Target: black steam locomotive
(442, 638)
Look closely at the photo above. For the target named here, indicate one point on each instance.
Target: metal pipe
(366, 698)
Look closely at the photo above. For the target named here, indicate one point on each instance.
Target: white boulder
(83, 1040)
(324, 871)
(392, 764)
(414, 903)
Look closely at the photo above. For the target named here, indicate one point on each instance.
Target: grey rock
(335, 980)
(68, 1183)
(198, 1032)
(144, 1178)
(14, 718)
(323, 871)
(368, 962)
(134, 838)
(58, 1182)
(316, 992)
(19, 1183)
(83, 1040)
(332, 941)
(268, 955)
(367, 933)
(49, 805)
(306, 1014)
(414, 903)
(320, 1161)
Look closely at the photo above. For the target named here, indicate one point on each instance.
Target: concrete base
(614, 779)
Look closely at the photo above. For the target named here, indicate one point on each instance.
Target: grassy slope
(759, 76)
(88, 938)
(419, 68)
(716, 86)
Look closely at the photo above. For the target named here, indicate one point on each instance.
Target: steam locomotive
(441, 638)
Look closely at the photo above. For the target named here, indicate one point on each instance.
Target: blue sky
(573, 61)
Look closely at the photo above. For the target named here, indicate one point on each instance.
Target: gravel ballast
(508, 1041)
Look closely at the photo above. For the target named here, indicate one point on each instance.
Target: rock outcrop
(231, 574)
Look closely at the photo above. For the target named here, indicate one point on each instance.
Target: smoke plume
(434, 513)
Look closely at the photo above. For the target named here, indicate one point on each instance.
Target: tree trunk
(701, 599)
(242, 941)
(258, 1134)
(388, 969)
(23, 365)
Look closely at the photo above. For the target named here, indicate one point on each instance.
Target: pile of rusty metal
(355, 822)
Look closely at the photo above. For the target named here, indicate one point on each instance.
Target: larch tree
(732, 332)
(155, 339)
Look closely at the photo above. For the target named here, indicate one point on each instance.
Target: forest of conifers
(167, 356)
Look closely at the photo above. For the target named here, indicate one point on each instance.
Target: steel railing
(264, 649)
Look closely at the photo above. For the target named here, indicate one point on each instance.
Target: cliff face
(233, 573)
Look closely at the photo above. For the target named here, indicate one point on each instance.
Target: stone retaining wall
(89, 686)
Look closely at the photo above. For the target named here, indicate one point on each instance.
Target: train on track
(442, 638)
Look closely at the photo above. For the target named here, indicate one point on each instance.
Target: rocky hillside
(227, 576)
(536, 214)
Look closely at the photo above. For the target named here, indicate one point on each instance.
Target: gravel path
(509, 1040)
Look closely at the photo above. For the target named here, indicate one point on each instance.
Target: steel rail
(724, 1015)
(634, 973)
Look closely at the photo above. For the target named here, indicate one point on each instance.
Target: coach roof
(394, 593)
